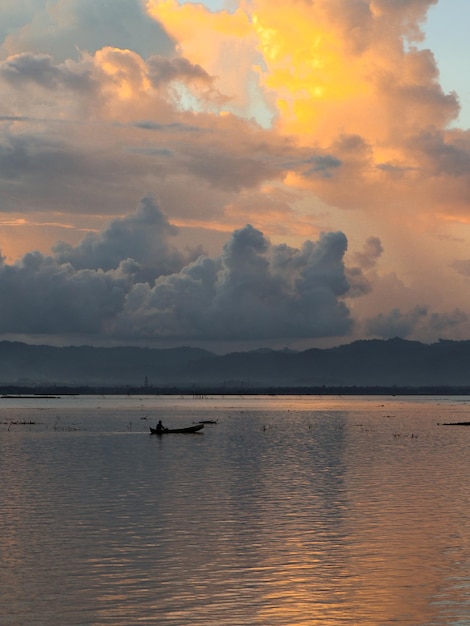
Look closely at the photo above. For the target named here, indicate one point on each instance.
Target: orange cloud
(126, 69)
(327, 66)
(223, 43)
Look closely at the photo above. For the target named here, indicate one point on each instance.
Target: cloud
(61, 28)
(253, 290)
(43, 297)
(299, 118)
(395, 323)
(143, 237)
(163, 70)
(444, 322)
(25, 69)
(109, 120)
(419, 323)
(462, 266)
(371, 251)
(441, 155)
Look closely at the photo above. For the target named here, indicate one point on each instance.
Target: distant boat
(207, 421)
(188, 429)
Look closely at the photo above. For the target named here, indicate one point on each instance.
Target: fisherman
(159, 427)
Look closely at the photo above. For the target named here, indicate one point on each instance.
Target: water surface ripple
(290, 511)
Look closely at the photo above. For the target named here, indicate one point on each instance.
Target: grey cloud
(71, 25)
(404, 14)
(395, 323)
(442, 154)
(366, 260)
(442, 322)
(253, 290)
(40, 296)
(35, 157)
(39, 171)
(433, 105)
(354, 146)
(175, 127)
(462, 266)
(228, 154)
(404, 7)
(143, 237)
(359, 285)
(371, 251)
(394, 170)
(364, 21)
(356, 20)
(162, 70)
(113, 171)
(40, 69)
(321, 165)
(418, 322)
(230, 172)
(29, 67)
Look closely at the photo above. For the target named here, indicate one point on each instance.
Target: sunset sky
(234, 175)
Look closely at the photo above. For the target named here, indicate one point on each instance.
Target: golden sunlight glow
(294, 52)
(184, 21)
(20, 221)
(201, 35)
(457, 219)
(306, 67)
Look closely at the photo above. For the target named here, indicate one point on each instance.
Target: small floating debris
(454, 424)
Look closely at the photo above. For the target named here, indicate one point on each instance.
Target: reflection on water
(288, 511)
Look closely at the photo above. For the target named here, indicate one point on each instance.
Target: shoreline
(201, 391)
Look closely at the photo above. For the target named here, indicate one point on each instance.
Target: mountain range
(366, 363)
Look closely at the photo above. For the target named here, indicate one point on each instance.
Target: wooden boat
(189, 429)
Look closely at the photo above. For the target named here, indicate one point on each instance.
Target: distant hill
(371, 363)
(26, 364)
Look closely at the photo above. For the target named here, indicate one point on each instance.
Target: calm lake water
(290, 511)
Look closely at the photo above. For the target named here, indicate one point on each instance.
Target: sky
(236, 174)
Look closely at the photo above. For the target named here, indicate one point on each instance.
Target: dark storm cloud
(104, 286)
(252, 291)
(143, 237)
(41, 296)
